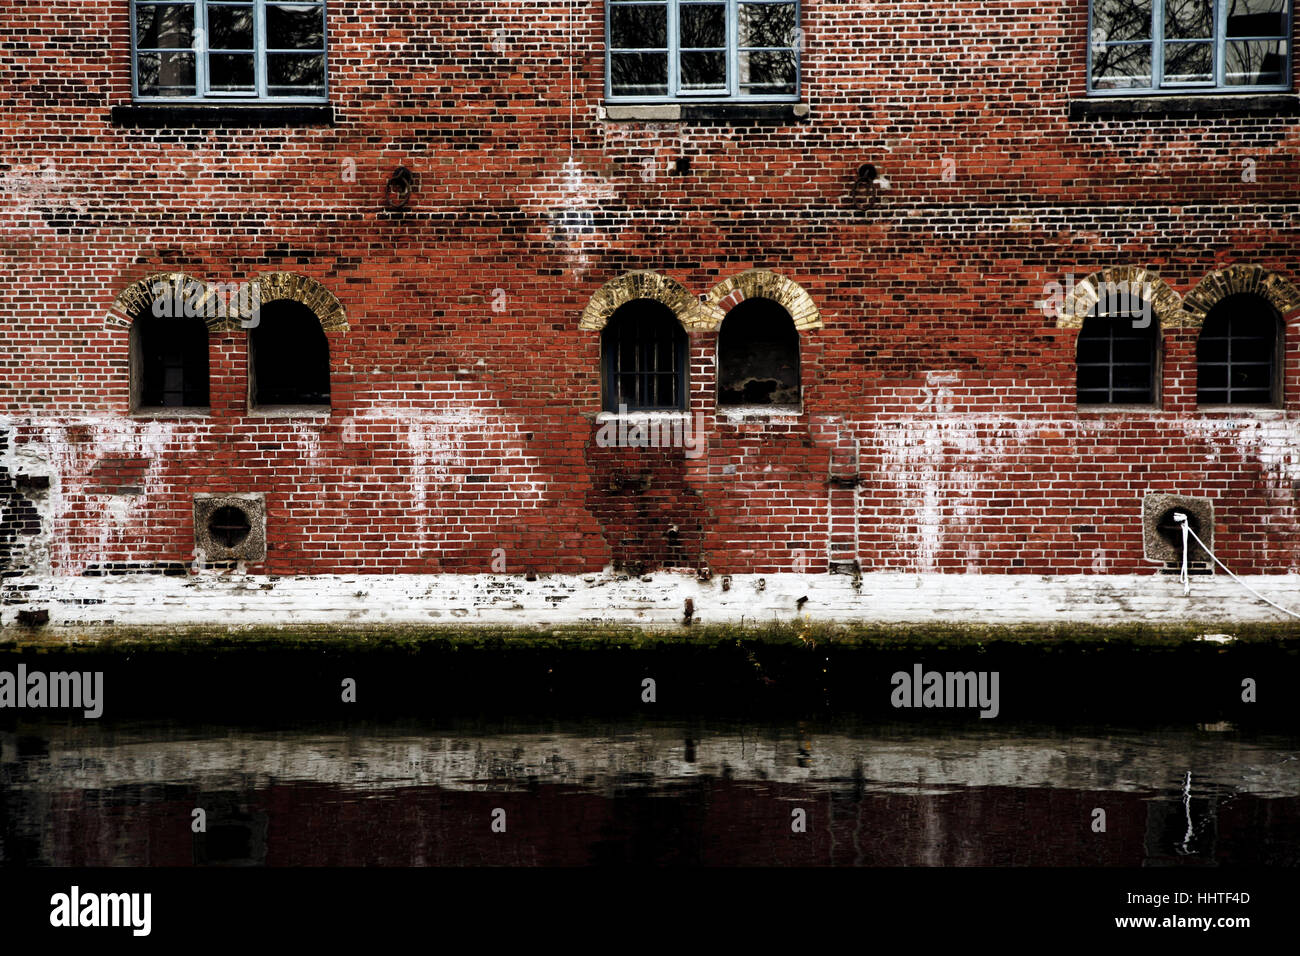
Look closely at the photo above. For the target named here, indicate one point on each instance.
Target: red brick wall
(457, 429)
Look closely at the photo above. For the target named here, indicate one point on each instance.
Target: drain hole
(1172, 533)
(228, 527)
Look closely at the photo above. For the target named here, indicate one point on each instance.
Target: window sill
(662, 416)
(1118, 409)
(1201, 104)
(746, 114)
(290, 411)
(759, 412)
(174, 115)
(191, 411)
(1242, 411)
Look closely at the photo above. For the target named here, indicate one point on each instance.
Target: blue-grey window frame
(1218, 87)
(733, 94)
(260, 51)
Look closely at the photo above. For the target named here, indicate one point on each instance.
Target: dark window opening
(758, 356)
(1236, 353)
(171, 362)
(644, 351)
(1116, 359)
(289, 356)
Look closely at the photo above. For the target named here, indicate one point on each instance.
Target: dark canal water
(638, 791)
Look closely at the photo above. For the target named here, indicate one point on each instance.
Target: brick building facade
(452, 233)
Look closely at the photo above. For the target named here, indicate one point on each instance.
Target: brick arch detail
(278, 286)
(1275, 289)
(1166, 304)
(765, 284)
(139, 297)
(644, 284)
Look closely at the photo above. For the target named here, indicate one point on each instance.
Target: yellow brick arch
(764, 284)
(645, 284)
(1272, 287)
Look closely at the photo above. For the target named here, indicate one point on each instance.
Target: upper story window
(667, 50)
(225, 50)
(1188, 46)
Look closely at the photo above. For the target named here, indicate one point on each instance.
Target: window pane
(766, 24)
(703, 25)
(770, 71)
(1255, 62)
(1189, 19)
(1115, 20)
(297, 26)
(633, 26)
(639, 73)
(1189, 63)
(230, 27)
(1121, 67)
(230, 71)
(1212, 376)
(295, 74)
(704, 71)
(169, 26)
(1093, 350)
(1256, 18)
(166, 74)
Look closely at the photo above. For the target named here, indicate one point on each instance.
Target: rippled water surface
(613, 792)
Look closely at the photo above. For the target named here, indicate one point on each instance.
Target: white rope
(1182, 519)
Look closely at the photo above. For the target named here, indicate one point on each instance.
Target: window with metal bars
(187, 50)
(1116, 360)
(170, 362)
(644, 349)
(1188, 46)
(1236, 353)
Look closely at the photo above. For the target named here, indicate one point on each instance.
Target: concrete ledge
(657, 601)
(726, 113)
(1258, 104)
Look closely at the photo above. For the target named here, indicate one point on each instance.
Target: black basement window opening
(1236, 353)
(758, 356)
(289, 358)
(1116, 359)
(643, 349)
(170, 362)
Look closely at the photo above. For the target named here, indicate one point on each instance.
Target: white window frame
(1218, 43)
(731, 92)
(202, 93)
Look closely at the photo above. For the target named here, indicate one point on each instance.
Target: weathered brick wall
(464, 393)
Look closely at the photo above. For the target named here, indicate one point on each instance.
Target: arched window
(758, 356)
(169, 362)
(1116, 357)
(289, 357)
(643, 349)
(1236, 353)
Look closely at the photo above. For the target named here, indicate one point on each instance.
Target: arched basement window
(289, 357)
(643, 349)
(1236, 353)
(169, 362)
(758, 356)
(1116, 358)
